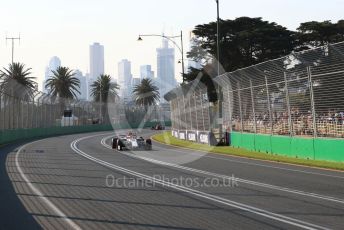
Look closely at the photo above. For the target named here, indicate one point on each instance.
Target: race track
(79, 182)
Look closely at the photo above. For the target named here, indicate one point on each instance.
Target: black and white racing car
(131, 142)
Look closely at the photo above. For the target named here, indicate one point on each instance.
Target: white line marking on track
(274, 187)
(193, 151)
(244, 207)
(39, 194)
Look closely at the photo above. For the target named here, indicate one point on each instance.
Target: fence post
(179, 117)
(28, 111)
(22, 113)
(45, 113)
(269, 105)
(211, 124)
(310, 82)
(185, 122)
(50, 113)
(290, 124)
(9, 112)
(39, 110)
(229, 111)
(34, 110)
(74, 111)
(240, 109)
(173, 114)
(253, 108)
(191, 124)
(201, 98)
(195, 105)
(14, 112)
(83, 114)
(17, 113)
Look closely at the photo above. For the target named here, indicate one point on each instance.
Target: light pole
(170, 38)
(218, 37)
(13, 38)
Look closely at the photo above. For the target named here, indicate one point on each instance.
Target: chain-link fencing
(297, 95)
(301, 94)
(42, 110)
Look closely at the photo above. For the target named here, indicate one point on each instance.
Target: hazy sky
(66, 28)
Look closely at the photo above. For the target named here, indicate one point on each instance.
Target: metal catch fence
(42, 110)
(297, 95)
(39, 110)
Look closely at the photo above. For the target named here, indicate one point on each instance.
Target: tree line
(17, 82)
(247, 41)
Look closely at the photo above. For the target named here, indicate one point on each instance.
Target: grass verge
(167, 138)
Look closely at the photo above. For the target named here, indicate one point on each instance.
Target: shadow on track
(13, 214)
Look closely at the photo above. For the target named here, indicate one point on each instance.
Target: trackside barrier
(307, 148)
(7, 136)
(194, 136)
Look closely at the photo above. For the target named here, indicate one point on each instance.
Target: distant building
(54, 63)
(165, 75)
(146, 72)
(135, 81)
(96, 62)
(83, 85)
(124, 78)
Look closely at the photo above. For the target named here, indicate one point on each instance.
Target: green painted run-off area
(308, 148)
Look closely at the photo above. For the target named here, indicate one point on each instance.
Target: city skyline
(54, 63)
(67, 31)
(166, 80)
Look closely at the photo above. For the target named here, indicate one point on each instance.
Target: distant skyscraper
(146, 72)
(124, 78)
(135, 81)
(165, 74)
(54, 63)
(83, 85)
(96, 60)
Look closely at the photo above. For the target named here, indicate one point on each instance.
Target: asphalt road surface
(79, 182)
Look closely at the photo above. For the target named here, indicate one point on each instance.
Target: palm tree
(146, 93)
(63, 84)
(16, 81)
(17, 85)
(101, 90)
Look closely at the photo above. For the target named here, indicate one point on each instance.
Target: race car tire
(148, 144)
(114, 143)
(119, 145)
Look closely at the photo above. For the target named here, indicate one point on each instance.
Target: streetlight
(170, 38)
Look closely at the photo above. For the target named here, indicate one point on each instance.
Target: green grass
(167, 138)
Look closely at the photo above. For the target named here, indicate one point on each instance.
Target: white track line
(39, 194)
(274, 187)
(248, 208)
(193, 151)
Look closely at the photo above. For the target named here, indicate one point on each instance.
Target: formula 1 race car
(158, 127)
(131, 142)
